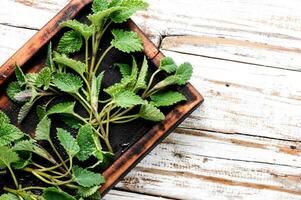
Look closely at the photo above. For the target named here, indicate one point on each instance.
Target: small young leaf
(25, 110)
(126, 99)
(98, 18)
(68, 142)
(62, 108)
(76, 65)
(184, 73)
(141, 82)
(150, 112)
(87, 178)
(87, 191)
(31, 78)
(95, 89)
(70, 42)
(166, 98)
(67, 82)
(43, 129)
(167, 64)
(126, 41)
(53, 193)
(20, 76)
(99, 5)
(43, 78)
(85, 30)
(9, 133)
(12, 89)
(25, 95)
(125, 69)
(4, 119)
(129, 8)
(7, 156)
(85, 142)
(49, 61)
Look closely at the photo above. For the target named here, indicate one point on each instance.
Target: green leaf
(43, 78)
(25, 110)
(76, 65)
(129, 8)
(70, 42)
(87, 178)
(98, 18)
(62, 108)
(85, 30)
(71, 121)
(25, 95)
(166, 98)
(43, 129)
(118, 87)
(31, 78)
(87, 191)
(67, 82)
(95, 89)
(41, 112)
(12, 89)
(99, 5)
(24, 160)
(68, 142)
(9, 133)
(126, 99)
(85, 142)
(141, 81)
(7, 156)
(9, 196)
(125, 69)
(32, 146)
(53, 193)
(126, 41)
(168, 65)
(20, 76)
(150, 112)
(184, 73)
(49, 61)
(4, 119)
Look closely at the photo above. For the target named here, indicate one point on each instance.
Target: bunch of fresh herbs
(136, 95)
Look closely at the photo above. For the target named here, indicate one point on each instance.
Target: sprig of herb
(82, 80)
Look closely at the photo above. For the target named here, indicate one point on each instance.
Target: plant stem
(102, 57)
(87, 54)
(32, 188)
(126, 120)
(2, 172)
(13, 176)
(68, 171)
(150, 82)
(57, 153)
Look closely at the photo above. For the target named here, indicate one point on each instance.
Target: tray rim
(136, 152)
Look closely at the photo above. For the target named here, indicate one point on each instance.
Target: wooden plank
(244, 98)
(199, 164)
(11, 39)
(123, 195)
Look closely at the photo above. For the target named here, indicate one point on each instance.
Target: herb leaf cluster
(136, 95)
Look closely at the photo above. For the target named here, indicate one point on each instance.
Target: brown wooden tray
(143, 137)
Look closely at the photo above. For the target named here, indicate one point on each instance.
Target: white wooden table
(244, 141)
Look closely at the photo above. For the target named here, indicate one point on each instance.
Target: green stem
(2, 172)
(13, 176)
(124, 117)
(81, 102)
(102, 57)
(32, 188)
(150, 82)
(87, 54)
(43, 169)
(58, 154)
(20, 194)
(68, 171)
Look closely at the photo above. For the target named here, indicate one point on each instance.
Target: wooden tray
(131, 141)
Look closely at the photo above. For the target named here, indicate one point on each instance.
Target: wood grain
(246, 136)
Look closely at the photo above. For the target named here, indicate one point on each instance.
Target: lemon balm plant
(135, 95)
